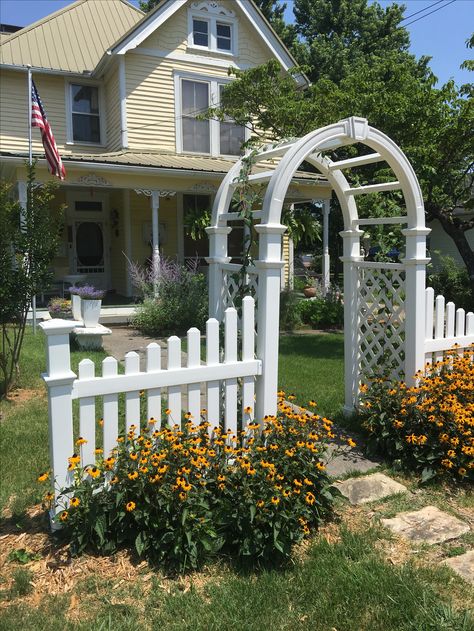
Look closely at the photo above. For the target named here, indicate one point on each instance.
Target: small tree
(29, 238)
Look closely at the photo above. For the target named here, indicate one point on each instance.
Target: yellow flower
(81, 441)
(462, 471)
(43, 477)
(320, 466)
(309, 498)
(130, 506)
(49, 497)
(350, 442)
(260, 503)
(248, 410)
(312, 403)
(275, 500)
(182, 496)
(75, 501)
(114, 480)
(98, 452)
(133, 476)
(94, 472)
(64, 515)
(167, 411)
(133, 456)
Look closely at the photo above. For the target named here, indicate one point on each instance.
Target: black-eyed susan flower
(64, 515)
(49, 497)
(81, 441)
(275, 500)
(248, 410)
(260, 504)
(75, 501)
(130, 506)
(43, 477)
(309, 498)
(167, 411)
(351, 442)
(94, 472)
(98, 451)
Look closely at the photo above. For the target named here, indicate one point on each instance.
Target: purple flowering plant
(88, 292)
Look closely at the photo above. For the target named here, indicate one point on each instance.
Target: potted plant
(91, 301)
(75, 302)
(310, 288)
(60, 308)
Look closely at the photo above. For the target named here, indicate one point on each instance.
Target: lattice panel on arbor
(231, 286)
(381, 325)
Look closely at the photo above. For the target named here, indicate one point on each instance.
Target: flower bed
(428, 428)
(181, 496)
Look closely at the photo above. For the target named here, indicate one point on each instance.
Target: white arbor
(384, 303)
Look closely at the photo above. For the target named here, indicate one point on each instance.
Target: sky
(441, 35)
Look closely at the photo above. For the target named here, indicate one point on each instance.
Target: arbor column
(269, 268)
(218, 255)
(155, 206)
(415, 263)
(351, 255)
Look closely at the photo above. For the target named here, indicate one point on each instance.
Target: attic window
(212, 27)
(201, 33)
(85, 114)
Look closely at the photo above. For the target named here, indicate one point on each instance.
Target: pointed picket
(110, 427)
(87, 416)
(153, 364)
(213, 388)
(248, 352)
(174, 392)
(230, 328)
(194, 360)
(132, 399)
(429, 306)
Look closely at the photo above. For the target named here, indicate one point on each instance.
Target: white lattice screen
(231, 284)
(381, 326)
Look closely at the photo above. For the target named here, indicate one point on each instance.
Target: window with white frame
(85, 113)
(212, 27)
(194, 96)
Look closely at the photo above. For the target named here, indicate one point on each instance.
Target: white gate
(384, 304)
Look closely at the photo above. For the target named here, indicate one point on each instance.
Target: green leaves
(23, 556)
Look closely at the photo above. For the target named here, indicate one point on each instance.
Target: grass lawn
(312, 367)
(351, 576)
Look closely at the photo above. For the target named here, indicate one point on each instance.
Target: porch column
(128, 240)
(326, 270)
(155, 206)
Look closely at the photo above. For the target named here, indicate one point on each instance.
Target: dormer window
(201, 33)
(212, 27)
(85, 114)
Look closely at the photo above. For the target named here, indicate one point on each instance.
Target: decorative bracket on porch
(149, 192)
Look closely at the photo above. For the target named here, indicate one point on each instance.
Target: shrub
(427, 428)
(323, 312)
(182, 496)
(175, 299)
(453, 282)
(290, 318)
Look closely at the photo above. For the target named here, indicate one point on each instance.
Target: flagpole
(30, 160)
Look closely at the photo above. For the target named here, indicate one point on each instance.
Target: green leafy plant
(323, 312)
(21, 583)
(23, 556)
(426, 428)
(290, 318)
(452, 281)
(182, 496)
(29, 238)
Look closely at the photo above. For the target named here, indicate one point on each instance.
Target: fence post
(59, 380)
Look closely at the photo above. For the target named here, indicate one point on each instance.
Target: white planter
(90, 311)
(76, 307)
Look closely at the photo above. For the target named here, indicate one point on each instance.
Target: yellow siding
(286, 259)
(150, 101)
(441, 244)
(112, 100)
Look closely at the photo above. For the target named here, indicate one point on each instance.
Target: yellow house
(121, 91)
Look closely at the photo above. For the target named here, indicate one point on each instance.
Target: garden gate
(384, 302)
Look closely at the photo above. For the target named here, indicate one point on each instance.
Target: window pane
(89, 244)
(85, 98)
(200, 33)
(196, 135)
(224, 36)
(89, 206)
(195, 97)
(231, 138)
(223, 29)
(86, 128)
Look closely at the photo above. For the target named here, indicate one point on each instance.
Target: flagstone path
(429, 525)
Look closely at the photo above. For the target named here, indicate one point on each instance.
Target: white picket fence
(221, 373)
(445, 327)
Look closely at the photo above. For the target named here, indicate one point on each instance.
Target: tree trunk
(458, 235)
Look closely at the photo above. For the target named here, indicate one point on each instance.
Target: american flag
(38, 119)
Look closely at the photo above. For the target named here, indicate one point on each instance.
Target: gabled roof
(167, 8)
(72, 39)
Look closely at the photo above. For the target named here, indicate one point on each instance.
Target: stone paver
(349, 461)
(463, 565)
(428, 525)
(369, 488)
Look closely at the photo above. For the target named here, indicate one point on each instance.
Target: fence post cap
(58, 326)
